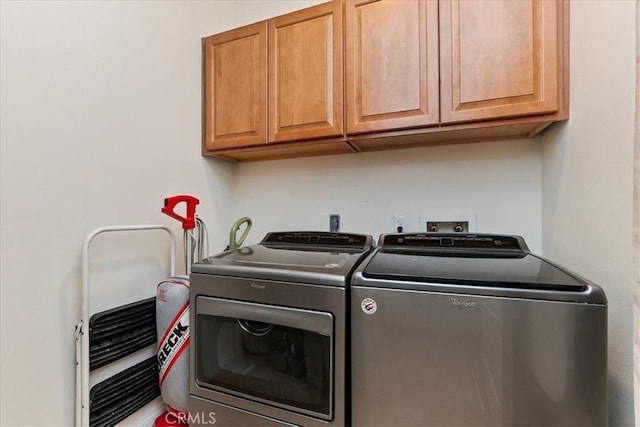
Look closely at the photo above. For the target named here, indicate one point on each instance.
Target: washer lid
(467, 259)
(523, 271)
(306, 257)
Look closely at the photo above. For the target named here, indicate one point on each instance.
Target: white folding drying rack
(81, 331)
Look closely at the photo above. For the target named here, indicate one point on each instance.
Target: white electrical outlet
(399, 223)
(448, 223)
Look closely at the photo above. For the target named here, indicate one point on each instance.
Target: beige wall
(636, 227)
(497, 182)
(587, 183)
(100, 121)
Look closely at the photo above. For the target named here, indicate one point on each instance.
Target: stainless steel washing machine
(462, 330)
(269, 331)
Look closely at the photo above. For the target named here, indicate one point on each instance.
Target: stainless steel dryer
(269, 331)
(461, 330)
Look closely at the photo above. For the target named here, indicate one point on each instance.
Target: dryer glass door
(275, 355)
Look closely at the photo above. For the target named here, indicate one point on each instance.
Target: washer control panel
(458, 241)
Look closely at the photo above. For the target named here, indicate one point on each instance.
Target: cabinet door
(498, 58)
(305, 74)
(392, 64)
(234, 88)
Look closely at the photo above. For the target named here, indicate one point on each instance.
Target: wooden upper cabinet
(498, 58)
(364, 75)
(391, 64)
(305, 74)
(235, 88)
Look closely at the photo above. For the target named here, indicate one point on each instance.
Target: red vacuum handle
(170, 203)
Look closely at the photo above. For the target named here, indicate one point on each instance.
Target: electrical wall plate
(399, 223)
(334, 223)
(448, 223)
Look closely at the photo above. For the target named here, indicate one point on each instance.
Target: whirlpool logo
(462, 303)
